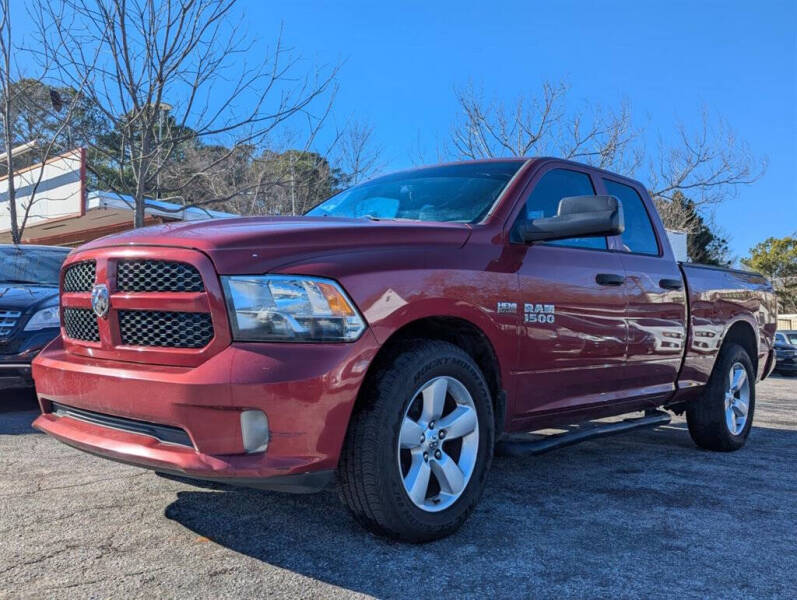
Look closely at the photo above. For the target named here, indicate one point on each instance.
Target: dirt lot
(645, 515)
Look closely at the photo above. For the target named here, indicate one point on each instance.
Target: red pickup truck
(397, 335)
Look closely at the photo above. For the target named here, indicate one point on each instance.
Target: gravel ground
(642, 515)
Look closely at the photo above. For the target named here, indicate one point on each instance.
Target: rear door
(656, 310)
(573, 329)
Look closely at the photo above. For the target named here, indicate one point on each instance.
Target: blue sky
(668, 59)
(402, 60)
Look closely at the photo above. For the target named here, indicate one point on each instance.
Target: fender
(742, 318)
(393, 287)
(761, 356)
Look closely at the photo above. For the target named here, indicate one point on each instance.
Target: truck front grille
(165, 329)
(81, 324)
(157, 276)
(8, 321)
(163, 306)
(79, 277)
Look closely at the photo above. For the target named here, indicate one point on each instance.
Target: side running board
(517, 446)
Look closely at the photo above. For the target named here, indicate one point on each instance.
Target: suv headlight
(46, 318)
(290, 308)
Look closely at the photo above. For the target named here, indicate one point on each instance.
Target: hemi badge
(506, 307)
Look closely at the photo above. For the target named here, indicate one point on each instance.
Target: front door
(573, 334)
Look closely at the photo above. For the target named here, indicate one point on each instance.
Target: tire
(373, 468)
(718, 419)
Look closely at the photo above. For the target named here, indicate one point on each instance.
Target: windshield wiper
(26, 282)
(373, 218)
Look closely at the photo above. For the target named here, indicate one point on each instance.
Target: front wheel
(722, 417)
(420, 444)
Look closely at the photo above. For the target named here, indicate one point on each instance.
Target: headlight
(46, 318)
(290, 308)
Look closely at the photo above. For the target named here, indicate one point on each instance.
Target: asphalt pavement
(641, 515)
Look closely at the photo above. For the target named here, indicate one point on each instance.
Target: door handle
(671, 284)
(609, 279)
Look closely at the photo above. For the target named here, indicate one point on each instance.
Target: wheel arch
(458, 331)
(743, 333)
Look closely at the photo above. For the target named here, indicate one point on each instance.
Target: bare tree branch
(358, 155)
(45, 131)
(708, 163)
(190, 54)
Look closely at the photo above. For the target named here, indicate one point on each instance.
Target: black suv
(29, 316)
(786, 351)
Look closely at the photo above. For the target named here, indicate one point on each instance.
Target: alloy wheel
(737, 399)
(438, 444)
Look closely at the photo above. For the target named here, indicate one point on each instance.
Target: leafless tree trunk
(14, 95)
(8, 133)
(183, 58)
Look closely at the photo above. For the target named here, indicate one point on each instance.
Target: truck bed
(725, 301)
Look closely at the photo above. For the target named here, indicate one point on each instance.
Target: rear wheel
(419, 447)
(721, 419)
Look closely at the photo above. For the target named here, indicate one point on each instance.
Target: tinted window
(545, 197)
(463, 193)
(36, 266)
(638, 236)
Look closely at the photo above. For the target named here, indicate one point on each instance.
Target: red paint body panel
(718, 300)
(307, 391)
(609, 349)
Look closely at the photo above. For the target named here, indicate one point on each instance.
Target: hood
(27, 298)
(257, 244)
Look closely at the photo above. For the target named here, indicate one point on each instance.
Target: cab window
(544, 202)
(638, 236)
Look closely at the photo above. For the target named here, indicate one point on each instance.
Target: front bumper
(16, 355)
(306, 390)
(15, 375)
(784, 364)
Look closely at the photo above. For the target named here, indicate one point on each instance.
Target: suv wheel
(419, 447)
(721, 419)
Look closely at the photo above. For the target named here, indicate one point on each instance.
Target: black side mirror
(577, 216)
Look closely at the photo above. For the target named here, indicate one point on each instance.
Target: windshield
(31, 265)
(792, 337)
(461, 193)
